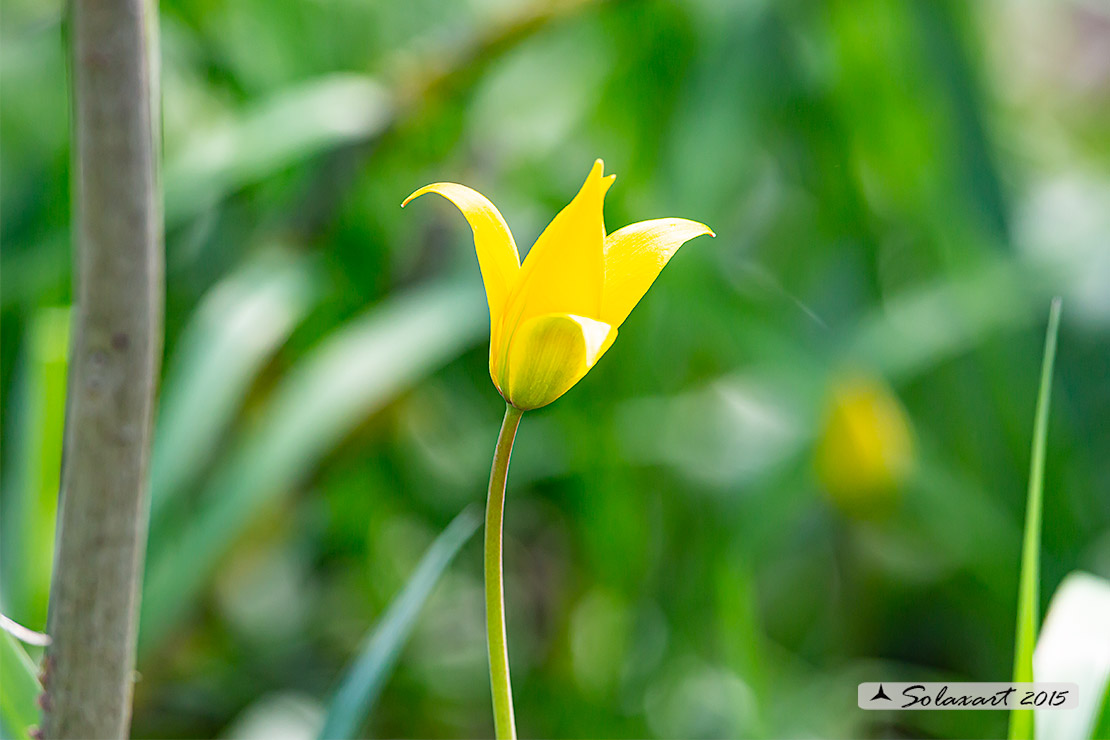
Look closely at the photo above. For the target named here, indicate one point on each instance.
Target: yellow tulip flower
(552, 318)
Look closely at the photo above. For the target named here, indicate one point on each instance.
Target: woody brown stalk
(114, 352)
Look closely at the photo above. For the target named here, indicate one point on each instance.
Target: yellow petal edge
(497, 254)
(634, 257)
(564, 270)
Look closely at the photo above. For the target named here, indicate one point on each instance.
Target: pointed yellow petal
(563, 272)
(549, 354)
(497, 255)
(635, 255)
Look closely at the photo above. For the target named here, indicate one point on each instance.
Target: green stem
(504, 723)
(1021, 720)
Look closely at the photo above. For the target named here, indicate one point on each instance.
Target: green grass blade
(360, 688)
(1021, 721)
(1102, 721)
(35, 416)
(19, 689)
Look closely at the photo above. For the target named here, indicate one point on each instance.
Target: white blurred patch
(599, 632)
(264, 594)
(285, 716)
(698, 701)
(530, 101)
(447, 650)
(734, 430)
(1064, 225)
(1074, 646)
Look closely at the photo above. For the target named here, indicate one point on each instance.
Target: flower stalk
(504, 722)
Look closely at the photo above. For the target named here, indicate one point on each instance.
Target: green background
(898, 188)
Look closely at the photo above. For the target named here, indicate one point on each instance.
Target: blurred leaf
(354, 373)
(288, 127)
(34, 465)
(1021, 721)
(1075, 647)
(947, 59)
(738, 428)
(357, 693)
(922, 327)
(239, 325)
(19, 709)
(30, 273)
(957, 528)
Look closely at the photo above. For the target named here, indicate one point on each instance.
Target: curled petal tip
(706, 230)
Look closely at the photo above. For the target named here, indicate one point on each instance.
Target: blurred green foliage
(19, 710)
(897, 189)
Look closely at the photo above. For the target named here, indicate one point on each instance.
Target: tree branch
(114, 355)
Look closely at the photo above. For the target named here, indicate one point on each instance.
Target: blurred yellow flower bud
(865, 450)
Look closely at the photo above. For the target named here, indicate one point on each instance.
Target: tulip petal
(497, 255)
(549, 354)
(635, 255)
(564, 270)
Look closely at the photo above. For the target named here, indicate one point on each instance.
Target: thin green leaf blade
(19, 709)
(1102, 721)
(36, 408)
(355, 696)
(1021, 721)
